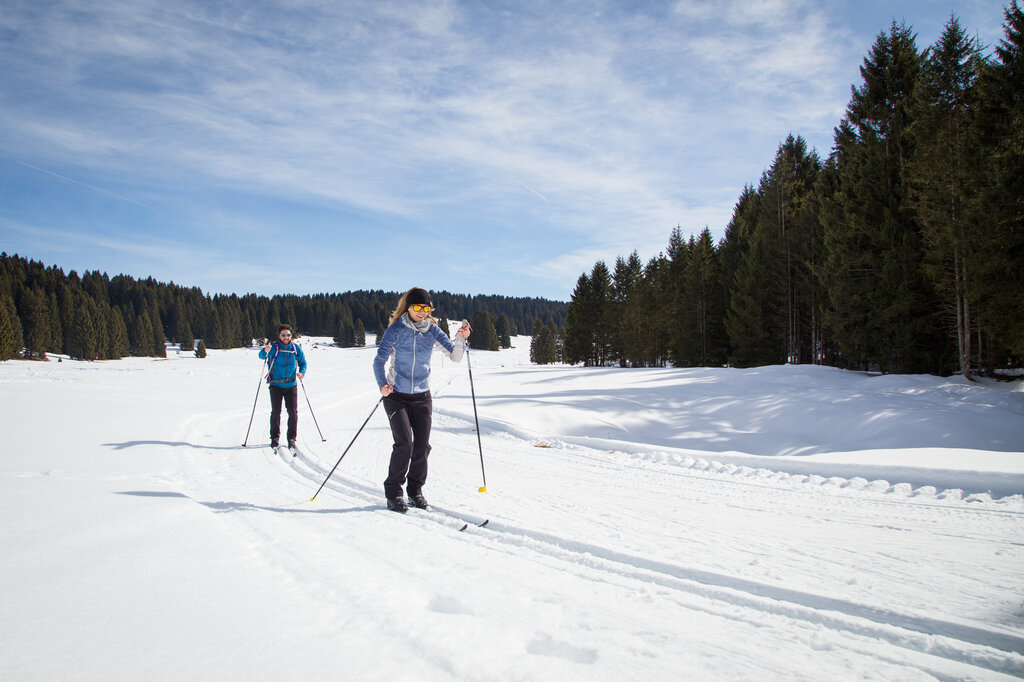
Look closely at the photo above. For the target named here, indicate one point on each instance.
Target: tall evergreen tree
(485, 336)
(141, 336)
(346, 336)
(882, 308)
(1001, 195)
(35, 322)
(11, 342)
(504, 329)
(56, 342)
(626, 315)
(704, 308)
(578, 335)
(542, 346)
(657, 304)
(83, 335)
(99, 324)
(159, 338)
(117, 334)
(944, 158)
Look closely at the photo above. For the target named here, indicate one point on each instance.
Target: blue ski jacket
(285, 361)
(409, 347)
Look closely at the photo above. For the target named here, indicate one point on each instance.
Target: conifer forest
(902, 251)
(94, 316)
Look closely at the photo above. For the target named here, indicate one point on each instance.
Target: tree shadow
(224, 507)
(179, 444)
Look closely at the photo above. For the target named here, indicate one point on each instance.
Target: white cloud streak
(624, 122)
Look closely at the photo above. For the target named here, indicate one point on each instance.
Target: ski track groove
(959, 642)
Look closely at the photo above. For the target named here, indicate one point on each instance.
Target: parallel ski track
(987, 648)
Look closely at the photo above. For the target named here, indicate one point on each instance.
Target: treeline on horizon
(903, 251)
(94, 316)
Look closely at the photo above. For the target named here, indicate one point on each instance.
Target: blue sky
(478, 147)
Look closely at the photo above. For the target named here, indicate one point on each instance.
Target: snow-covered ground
(780, 523)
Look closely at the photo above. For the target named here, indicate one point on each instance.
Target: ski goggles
(421, 308)
(284, 335)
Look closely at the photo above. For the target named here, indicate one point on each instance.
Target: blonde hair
(404, 306)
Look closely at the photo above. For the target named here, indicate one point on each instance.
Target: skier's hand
(464, 330)
(386, 390)
(267, 347)
(299, 375)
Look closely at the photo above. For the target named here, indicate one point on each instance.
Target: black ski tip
(464, 527)
(486, 521)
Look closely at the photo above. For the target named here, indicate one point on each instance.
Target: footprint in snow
(546, 646)
(447, 604)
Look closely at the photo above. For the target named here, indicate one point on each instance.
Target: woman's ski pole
(472, 392)
(258, 387)
(313, 499)
(322, 439)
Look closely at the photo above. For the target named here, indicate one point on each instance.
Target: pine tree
(56, 343)
(767, 256)
(98, 316)
(360, 334)
(83, 335)
(11, 342)
(945, 155)
(159, 338)
(35, 321)
(542, 346)
(346, 336)
(117, 334)
(214, 329)
(627, 318)
(704, 304)
(142, 336)
(1000, 127)
(504, 330)
(485, 336)
(577, 335)
(881, 306)
(601, 312)
(201, 349)
(657, 303)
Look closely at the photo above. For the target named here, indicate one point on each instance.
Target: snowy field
(780, 523)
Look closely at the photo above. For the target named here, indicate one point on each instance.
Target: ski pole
(258, 387)
(313, 499)
(322, 439)
(472, 392)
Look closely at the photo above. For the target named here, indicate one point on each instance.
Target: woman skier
(408, 343)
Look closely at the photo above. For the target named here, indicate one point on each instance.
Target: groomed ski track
(607, 565)
(644, 524)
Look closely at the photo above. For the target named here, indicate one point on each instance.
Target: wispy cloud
(601, 125)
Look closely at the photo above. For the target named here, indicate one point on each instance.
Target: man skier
(287, 364)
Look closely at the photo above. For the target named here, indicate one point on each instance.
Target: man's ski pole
(258, 387)
(472, 392)
(322, 439)
(313, 499)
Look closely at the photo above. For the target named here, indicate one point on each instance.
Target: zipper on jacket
(412, 372)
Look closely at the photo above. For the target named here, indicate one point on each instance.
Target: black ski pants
(291, 402)
(410, 417)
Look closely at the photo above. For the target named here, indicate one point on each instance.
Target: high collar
(418, 326)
